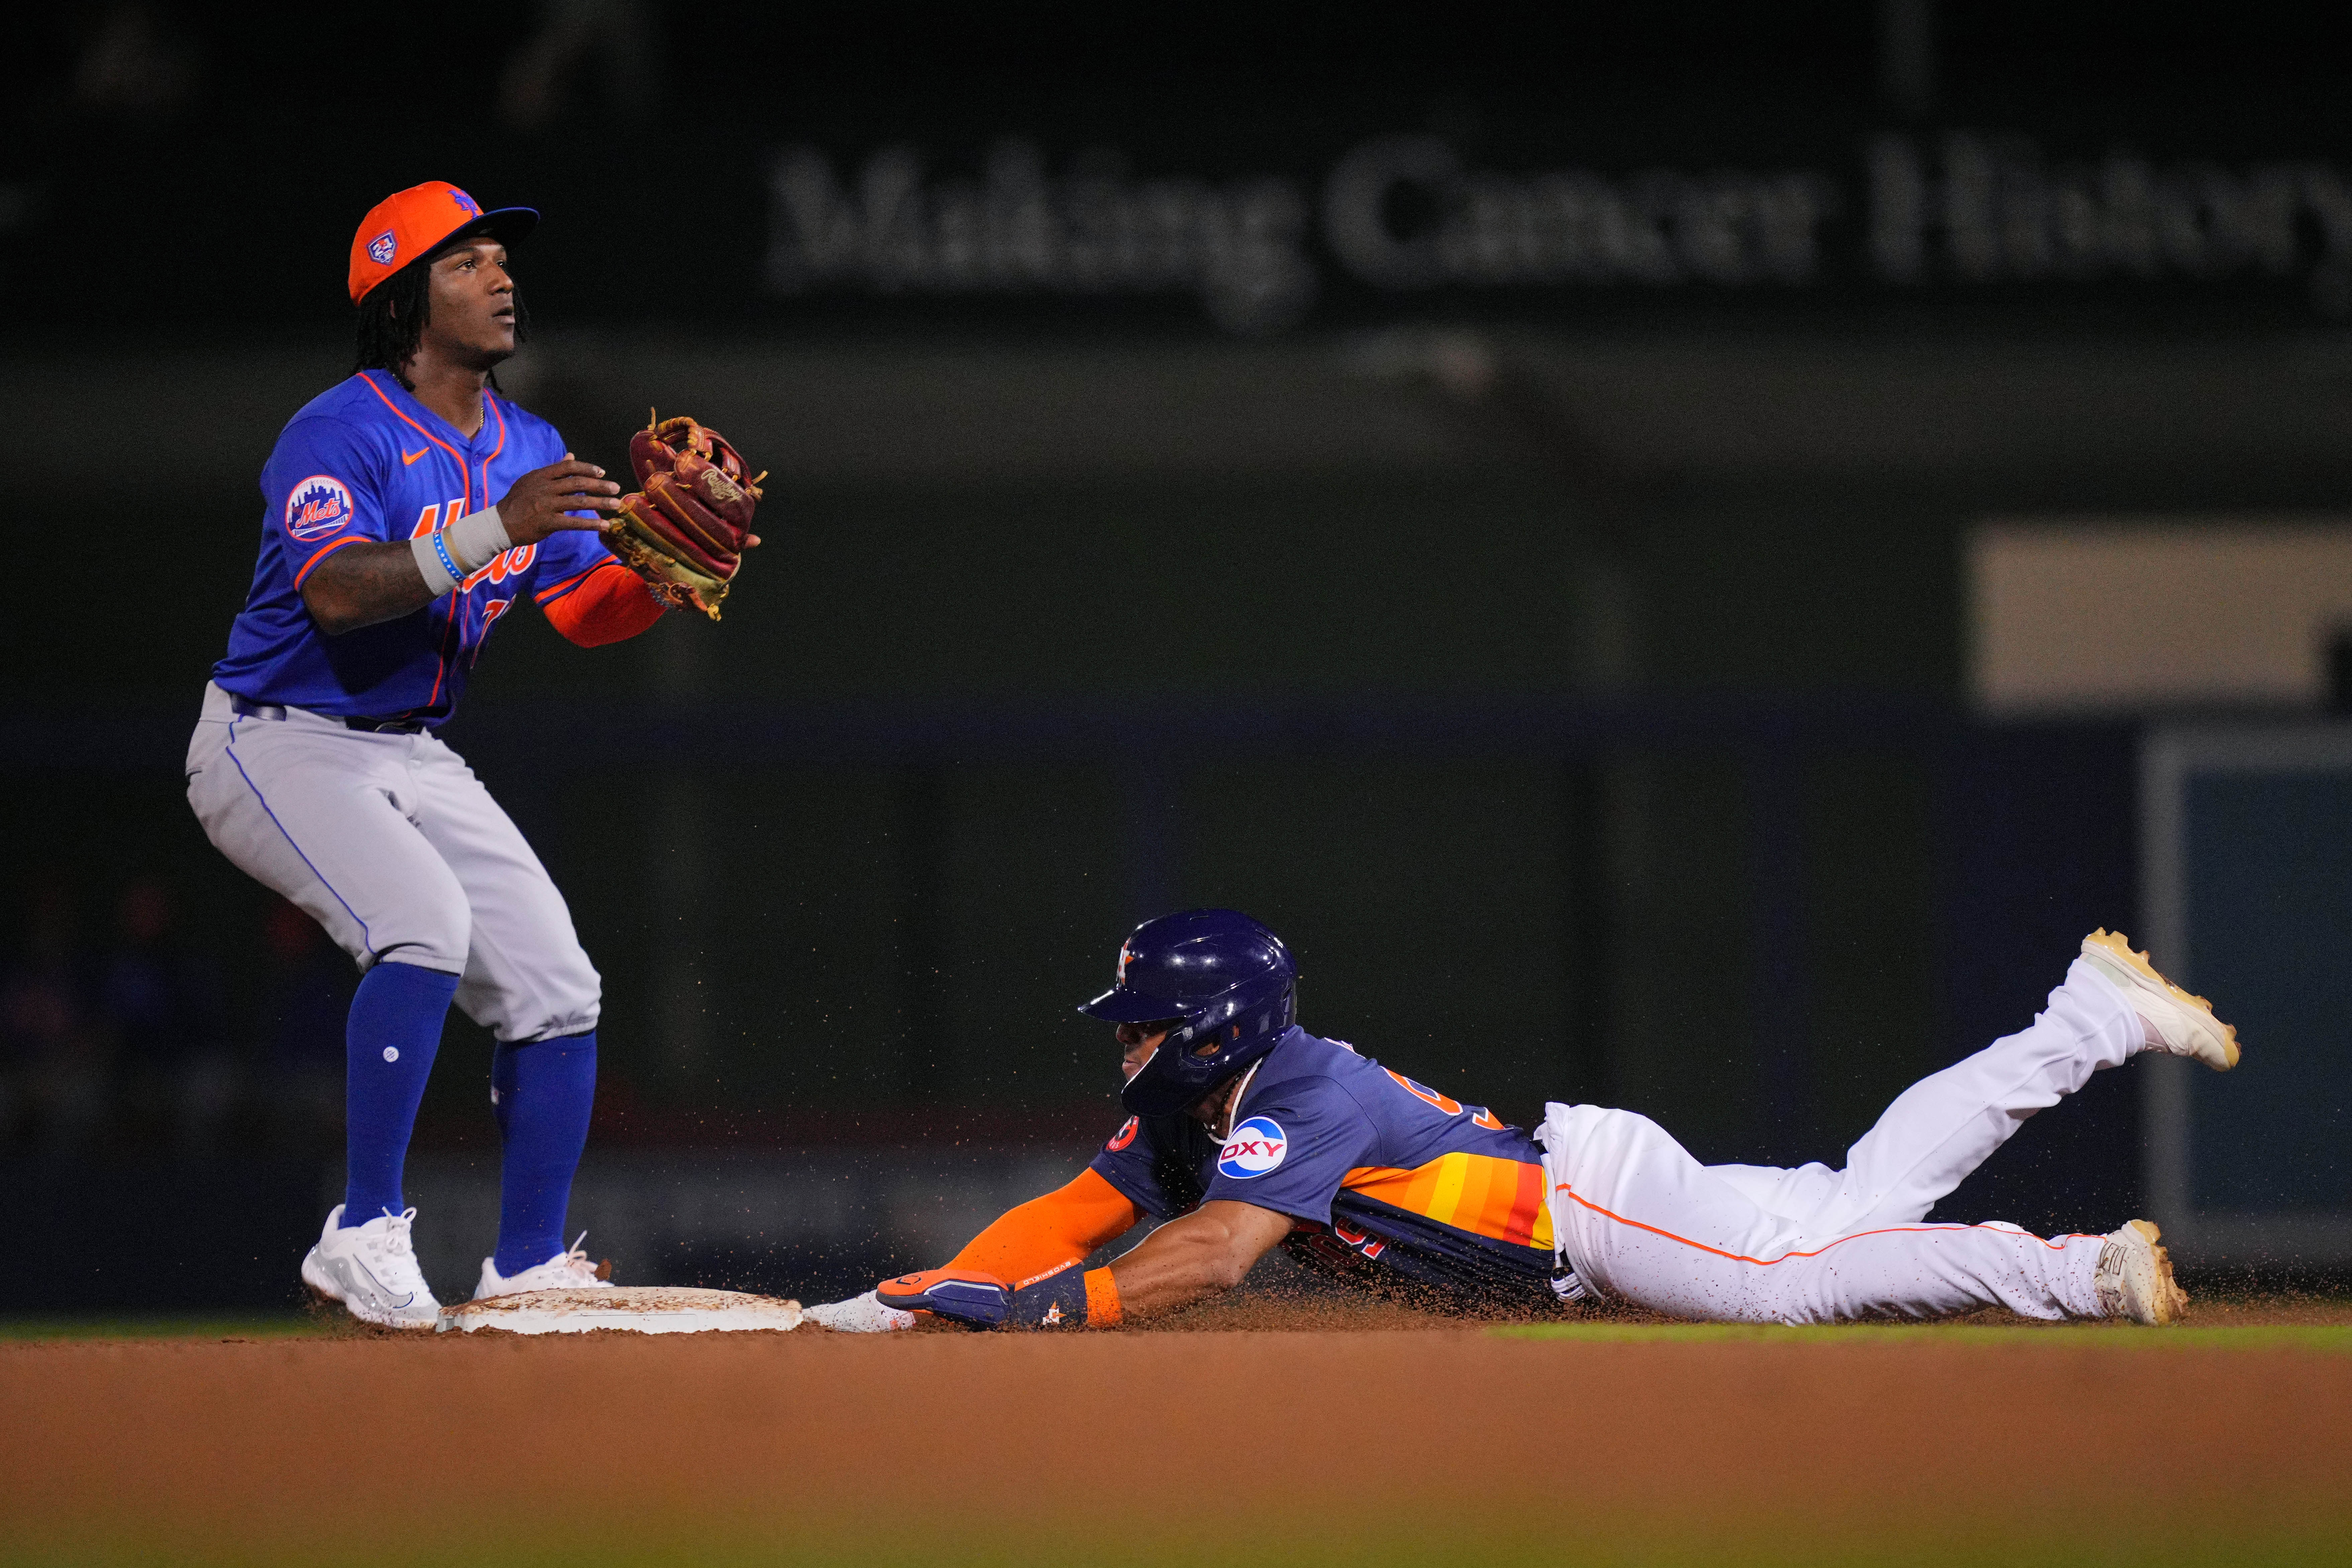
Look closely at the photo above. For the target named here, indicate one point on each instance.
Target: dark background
(1571, 670)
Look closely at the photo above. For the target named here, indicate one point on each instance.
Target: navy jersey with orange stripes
(366, 462)
(1391, 1181)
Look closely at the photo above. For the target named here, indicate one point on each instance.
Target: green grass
(244, 1326)
(2331, 1337)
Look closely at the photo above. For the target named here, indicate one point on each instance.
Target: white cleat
(564, 1271)
(372, 1269)
(859, 1315)
(2185, 1023)
(2135, 1278)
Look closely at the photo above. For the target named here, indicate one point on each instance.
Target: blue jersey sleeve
(1292, 1147)
(324, 487)
(1155, 1160)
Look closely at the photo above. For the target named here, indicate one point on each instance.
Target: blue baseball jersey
(1390, 1183)
(362, 463)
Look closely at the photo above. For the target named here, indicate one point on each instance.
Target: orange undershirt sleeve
(609, 604)
(1063, 1226)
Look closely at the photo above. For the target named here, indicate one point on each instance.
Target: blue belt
(245, 709)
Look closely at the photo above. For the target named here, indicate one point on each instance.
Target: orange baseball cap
(420, 220)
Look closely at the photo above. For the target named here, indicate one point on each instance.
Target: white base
(629, 1309)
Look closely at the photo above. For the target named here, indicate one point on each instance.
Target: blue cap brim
(1117, 1005)
(508, 225)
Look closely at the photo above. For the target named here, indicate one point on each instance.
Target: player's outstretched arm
(1029, 1239)
(1205, 1253)
(1060, 1227)
(363, 584)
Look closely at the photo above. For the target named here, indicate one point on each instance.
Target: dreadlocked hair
(393, 317)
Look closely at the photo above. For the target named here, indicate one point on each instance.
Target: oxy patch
(318, 506)
(1256, 1147)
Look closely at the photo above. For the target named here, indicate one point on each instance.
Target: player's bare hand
(543, 501)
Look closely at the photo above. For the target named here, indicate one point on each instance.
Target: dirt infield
(1369, 1438)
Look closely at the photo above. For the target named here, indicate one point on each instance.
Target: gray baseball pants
(392, 844)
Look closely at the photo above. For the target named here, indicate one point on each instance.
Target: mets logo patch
(1256, 1147)
(380, 248)
(318, 507)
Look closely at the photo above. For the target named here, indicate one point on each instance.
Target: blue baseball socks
(389, 1045)
(542, 1093)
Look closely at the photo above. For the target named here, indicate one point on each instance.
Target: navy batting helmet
(1226, 980)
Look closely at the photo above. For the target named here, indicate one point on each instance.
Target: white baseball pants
(1641, 1220)
(392, 844)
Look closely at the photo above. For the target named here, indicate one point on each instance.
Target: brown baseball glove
(685, 531)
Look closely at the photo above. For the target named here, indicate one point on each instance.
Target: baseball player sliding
(1248, 1132)
(403, 512)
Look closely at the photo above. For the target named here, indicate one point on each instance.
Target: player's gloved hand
(1056, 1299)
(859, 1315)
(685, 532)
(965, 1296)
(541, 502)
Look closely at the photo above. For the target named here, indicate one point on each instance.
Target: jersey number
(1480, 1115)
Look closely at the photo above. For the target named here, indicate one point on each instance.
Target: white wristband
(468, 544)
(437, 580)
(478, 538)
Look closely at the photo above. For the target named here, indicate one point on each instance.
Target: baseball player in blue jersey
(1248, 1132)
(404, 511)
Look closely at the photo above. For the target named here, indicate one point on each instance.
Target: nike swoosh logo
(364, 1272)
(408, 457)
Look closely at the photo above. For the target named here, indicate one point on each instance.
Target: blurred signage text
(1402, 215)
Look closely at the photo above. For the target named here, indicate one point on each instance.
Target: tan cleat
(2185, 1023)
(2135, 1278)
